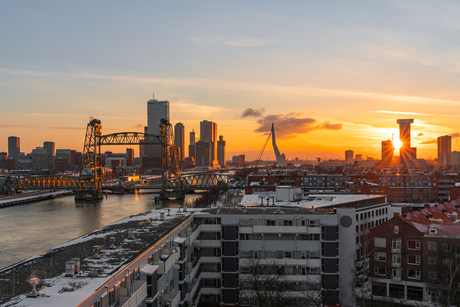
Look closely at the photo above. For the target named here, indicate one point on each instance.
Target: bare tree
(445, 288)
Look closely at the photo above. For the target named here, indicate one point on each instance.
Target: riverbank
(7, 201)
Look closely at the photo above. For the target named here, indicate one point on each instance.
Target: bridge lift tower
(90, 182)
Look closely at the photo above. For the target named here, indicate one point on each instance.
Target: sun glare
(397, 144)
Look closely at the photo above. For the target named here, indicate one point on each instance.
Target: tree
(446, 279)
(264, 283)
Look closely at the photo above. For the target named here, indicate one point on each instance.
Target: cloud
(454, 135)
(140, 126)
(420, 134)
(433, 141)
(289, 125)
(327, 125)
(42, 127)
(250, 112)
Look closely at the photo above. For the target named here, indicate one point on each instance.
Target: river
(31, 229)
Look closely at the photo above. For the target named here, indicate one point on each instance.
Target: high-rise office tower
(208, 132)
(179, 140)
(221, 152)
(13, 147)
(406, 153)
(387, 153)
(191, 146)
(203, 154)
(156, 111)
(444, 150)
(349, 156)
(51, 151)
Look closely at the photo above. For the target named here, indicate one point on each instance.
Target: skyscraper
(349, 155)
(406, 153)
(203, 154)
(156, 111)
(179, 140)
(191, 146)
(387, 153)
(444, 150)
(13, 147)
(221, 151)
(208, 132)
(51, 152)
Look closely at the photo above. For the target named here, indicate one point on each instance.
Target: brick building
(414, 256)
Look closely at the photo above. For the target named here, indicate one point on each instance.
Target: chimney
(396, 215)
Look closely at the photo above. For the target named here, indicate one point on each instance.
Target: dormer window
(433, 231)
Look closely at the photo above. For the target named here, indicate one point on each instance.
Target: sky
(331, 75)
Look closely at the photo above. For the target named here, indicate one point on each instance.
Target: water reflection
(31, 229)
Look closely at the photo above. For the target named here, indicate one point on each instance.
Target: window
(432, 275)
(380, 270)
(432, 261)
(413, 259)
(380, 256)
(380, 242)
(396, 245)
(413, 244)
(432, 245)
(413, 274)
(396, 259)
(446, 247)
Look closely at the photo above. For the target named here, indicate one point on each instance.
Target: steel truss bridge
(89, 184)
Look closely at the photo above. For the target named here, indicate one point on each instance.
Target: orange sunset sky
(331, 76)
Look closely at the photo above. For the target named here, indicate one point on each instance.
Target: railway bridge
(88, 185)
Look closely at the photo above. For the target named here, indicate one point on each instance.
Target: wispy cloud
(261, 88)
(43, 127)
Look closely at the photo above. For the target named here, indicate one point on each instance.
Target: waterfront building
(444, 151)
(62, 160)
(129, 157)
(179, 140)
(221, 151)
(39, 158)
(209, 256)
(14, 147)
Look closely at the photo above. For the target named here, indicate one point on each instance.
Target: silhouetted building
(455, 158)
(239, 160)
(358, 157)
(349, 156)
(387, 153)
(156, 111)
(208, 133)
(444, 151)
(3, 156)
(203, 154)
(130, 157)
(62, 160)
(13, 147)
(221, 151)
(179, 140)
(191, 147)
(50, 149)
(75, 158)
(406, 153)
(39, 158)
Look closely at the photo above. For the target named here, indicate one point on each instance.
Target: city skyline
(330, 79)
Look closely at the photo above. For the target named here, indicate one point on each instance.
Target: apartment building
(414, 256)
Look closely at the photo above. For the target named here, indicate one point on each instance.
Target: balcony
(165, 266)
(137, 297)
(396, 264)
(396, 278)
(172, 299)
(207, 243)
(395, 249)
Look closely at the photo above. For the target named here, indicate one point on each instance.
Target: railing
(138, 297)
(176, 298)
(168, 264)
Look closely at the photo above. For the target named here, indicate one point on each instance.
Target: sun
(397, 144)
